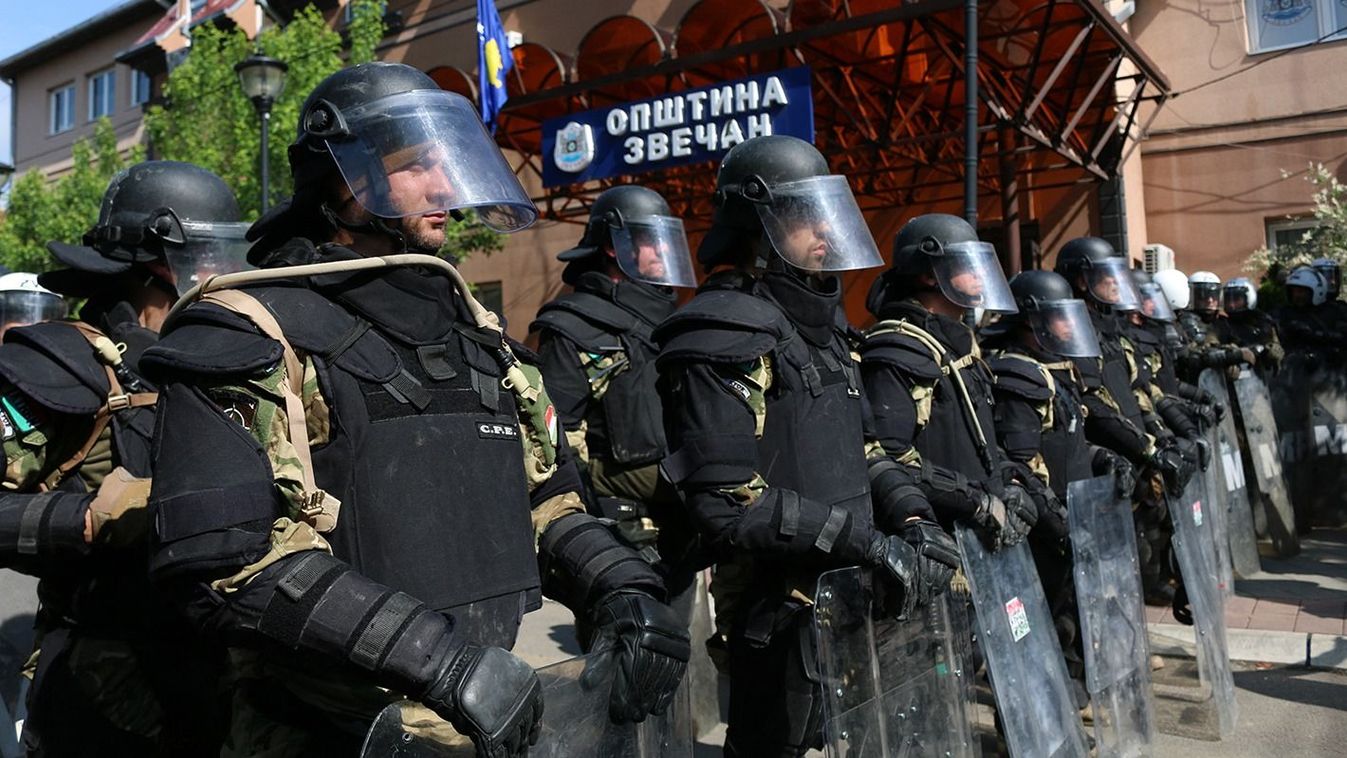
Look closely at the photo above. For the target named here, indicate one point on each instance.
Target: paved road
(18, 602)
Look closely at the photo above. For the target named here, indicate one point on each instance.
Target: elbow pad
(895, 494)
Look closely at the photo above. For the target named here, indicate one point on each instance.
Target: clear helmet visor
(970, 275)
(209, 250)
(426, 151)
(1063, 327)
(1206, 296)
(654, 249)
(1110, 283)
(1332, 274)
(1235, 299)
(25, 307)
(1154, 304)
(815, 225)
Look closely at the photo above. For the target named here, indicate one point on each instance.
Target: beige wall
(34, 145)
(1223, 160)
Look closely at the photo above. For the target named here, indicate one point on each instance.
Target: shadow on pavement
(1294, 685)
(564, 637)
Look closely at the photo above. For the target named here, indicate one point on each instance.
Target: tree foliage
(1327, 239)
(40, 210)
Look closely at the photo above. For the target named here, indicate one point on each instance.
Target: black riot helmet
(1097, 274)
(780, 188)
(403, 147)
(1060, 322)
(947, 248)
(647, 240)
(1154, 304)
(155, 212)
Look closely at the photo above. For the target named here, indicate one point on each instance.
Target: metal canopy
(1060, 86)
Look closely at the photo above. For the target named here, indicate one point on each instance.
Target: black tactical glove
(1124, 475)
(1206, 415)
(492, 697)
(1003, 523)
(1170, 464)
(652, 648)
(1052, 518)
(897, 560)
(937, 557)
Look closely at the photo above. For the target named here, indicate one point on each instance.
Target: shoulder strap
(318, 508)
(117, 400)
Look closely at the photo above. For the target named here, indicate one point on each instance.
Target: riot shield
(1112, 617)
(1210, 709)
(1228, 478)
(1024, 658)
(1291, 393)
(575, 722)
(1260, 431)
(892, 688)
(1327, 449)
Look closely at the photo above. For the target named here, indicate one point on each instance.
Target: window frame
(136, 75)
(1283, 224)
(109, 96)
(60, 93)
(1326, 18)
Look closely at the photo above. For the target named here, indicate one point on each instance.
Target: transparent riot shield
(1112, 617)
(1260, 431)
(1292, 396)
(1228, 478)
(1209, 710)
(1024, 658)
(1327, 449)
(892, 688)
(575, 722)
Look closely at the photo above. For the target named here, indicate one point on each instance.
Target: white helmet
(1239, 295)
(23, 301)
(1206, 292)
(1331, 272)
(1174, 283)
(1307, 277)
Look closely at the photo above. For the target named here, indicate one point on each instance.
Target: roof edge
(86, 29)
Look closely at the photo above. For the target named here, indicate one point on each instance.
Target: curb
(1324, 651)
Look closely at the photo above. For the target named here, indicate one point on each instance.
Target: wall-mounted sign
(676, 129)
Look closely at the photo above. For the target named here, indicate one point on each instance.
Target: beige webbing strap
(117, 400)
(318, 508)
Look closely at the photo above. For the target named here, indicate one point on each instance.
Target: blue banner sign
(677, 129)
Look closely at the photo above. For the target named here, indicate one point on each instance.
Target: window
(102, 93)
(1279, 24)
(62, 109)
(348, 10)
(142, 87)
(490, 294)
(1285, 232)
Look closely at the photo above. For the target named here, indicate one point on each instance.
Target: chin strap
(376, 225)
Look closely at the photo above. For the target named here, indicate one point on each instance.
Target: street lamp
(263, 80)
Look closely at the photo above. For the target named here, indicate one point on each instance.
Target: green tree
(1327, 239)
(40, 210)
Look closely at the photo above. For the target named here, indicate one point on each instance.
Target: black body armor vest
(627, 425)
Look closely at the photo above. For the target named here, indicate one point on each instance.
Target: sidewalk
(1294, 611)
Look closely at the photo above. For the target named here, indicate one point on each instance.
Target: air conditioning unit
(1158, 258)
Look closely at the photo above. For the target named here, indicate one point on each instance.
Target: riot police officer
(118, 673)
(1304, 323)
(1332, 274)
(1242, 324)
(1115, 419)
(598, 359)
(1205, 349)
(1040, 422)
(23, 301)
(748, 368)
(930, 392)
(353, 468)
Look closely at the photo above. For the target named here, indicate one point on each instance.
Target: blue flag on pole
(494, 60)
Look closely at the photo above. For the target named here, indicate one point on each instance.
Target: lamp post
(263, 80)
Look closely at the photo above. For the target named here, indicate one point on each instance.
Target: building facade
(1218, 172)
